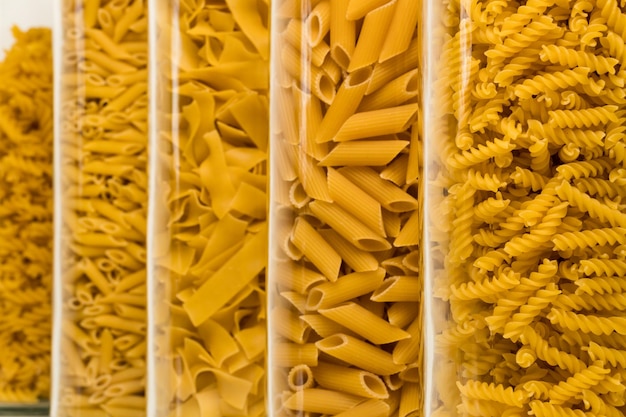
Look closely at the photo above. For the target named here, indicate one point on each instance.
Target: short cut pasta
(26, 217)
(102, 192)
(344, 289)
(525, 208)
(209, 211)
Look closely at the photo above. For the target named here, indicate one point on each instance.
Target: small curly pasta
(600, 302)
(485, 391)
(536, 301)
(576, 384)
(529, 311)
(615, 357)
(481, 153)
(589, 238)
(546, 409)
(588, 323)
(598, 405)
(26, 232)
(600, 285)
(552, 81)
(565, 56)
(486, 288)
(584, 118)
(594, 207)
(596, 266)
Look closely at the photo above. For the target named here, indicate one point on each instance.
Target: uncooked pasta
(25, 217)
(344, 280)
(209, 208)
(525, 208)
(103, 198)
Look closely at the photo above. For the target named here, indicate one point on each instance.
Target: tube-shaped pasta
(350, 380)
(101, 243)
(376, 123)
(359, 354)
(347, 169)
(371, 327)
(344, 104)
(370, 43)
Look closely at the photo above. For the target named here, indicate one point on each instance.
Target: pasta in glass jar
(101, 192)
(344, 282)
(208, 223)
(26, 207)
(524, 209)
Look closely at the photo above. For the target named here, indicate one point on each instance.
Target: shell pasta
(344, 260)
(525, 209)
(103, 198)
(25, 217)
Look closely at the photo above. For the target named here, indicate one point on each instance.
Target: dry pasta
(209, 209)
(525, 209)
(103, 195)
(345, 218)
(25, 217)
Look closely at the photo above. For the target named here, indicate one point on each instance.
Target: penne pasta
(346, 171)
(370, 326)
(370, 43)
(359, 353)
(377, 123)
(350, 380)
(357, 153)
(317, 400)
(349, 227)
(342, 33)
(350, 286)
(316, 249)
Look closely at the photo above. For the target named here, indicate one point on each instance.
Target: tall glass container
(208, 211)
(344, 274)
(25, 205)
(525, 208)
(101, 198)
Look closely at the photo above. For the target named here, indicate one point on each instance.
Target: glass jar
(208, 208)
(344, 277)
(524, 209)
(101, 194)
(26, 205)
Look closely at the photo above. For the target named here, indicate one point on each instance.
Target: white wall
(24, 14)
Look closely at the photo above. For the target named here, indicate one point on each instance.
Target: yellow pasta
(102, 244)
(210, 214)
(350, 380)
(344, 205)
(26, 216)
(316, 400)
(524, 245)
(370, 326)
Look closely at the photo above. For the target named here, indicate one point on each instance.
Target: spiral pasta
(26, 217)
(525, 208)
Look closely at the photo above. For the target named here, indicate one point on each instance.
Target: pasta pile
(527, 214)
(344, 305)
(25, 217)
(210, 215)
(103, 198)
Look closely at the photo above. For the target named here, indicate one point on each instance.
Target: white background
(25, 14)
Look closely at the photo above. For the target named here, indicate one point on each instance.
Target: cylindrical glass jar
(525, 208)
(208, 208)
(26, 205)
(344, 277)
(101, 198)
